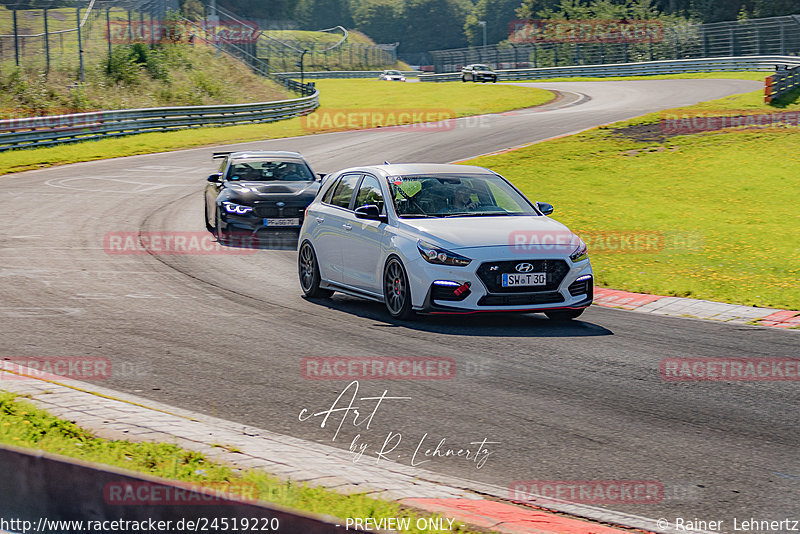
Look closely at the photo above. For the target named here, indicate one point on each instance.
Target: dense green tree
(498, 14)
(775, 8)
(319, 14)
(380, 19)
(434, 24)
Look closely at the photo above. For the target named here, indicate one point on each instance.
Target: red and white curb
(700, 309)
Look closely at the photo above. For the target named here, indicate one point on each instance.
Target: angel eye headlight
(238, 209)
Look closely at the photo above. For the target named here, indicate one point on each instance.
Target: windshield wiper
(417, 215)
(481, 214)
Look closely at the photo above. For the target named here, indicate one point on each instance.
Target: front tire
(463, 79)
(396, 291)
(564, 315)
(223, 236)
(308, 269)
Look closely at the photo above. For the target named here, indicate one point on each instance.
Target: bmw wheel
(396, 292)
(308, 269)
(208, 225)
(563, 315)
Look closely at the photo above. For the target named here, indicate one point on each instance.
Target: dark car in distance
(478, 73)
(258, 192)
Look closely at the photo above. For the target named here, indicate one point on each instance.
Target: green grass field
(336, 96)
(724, 203)
(24, 425)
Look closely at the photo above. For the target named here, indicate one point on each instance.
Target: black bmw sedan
(258, 192)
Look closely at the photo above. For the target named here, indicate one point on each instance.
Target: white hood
(530, 232)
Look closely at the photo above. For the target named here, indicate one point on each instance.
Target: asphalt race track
(225, 334)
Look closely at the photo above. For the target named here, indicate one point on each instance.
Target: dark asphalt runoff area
(225, 334)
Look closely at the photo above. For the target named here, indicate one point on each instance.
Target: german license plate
(282, 222)
(526, 279)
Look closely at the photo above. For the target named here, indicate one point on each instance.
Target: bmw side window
(370, 193)
(343, 192)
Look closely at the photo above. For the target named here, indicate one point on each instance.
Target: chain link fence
(768, 36)
(85, 33)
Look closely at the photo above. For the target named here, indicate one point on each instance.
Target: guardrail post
(16, 38)
(80, 45)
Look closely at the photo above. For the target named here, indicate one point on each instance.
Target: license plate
(282, 222)
(527, 279)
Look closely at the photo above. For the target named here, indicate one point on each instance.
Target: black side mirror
(215, 178)
(370, 212)
(321, 176)
(545, 208)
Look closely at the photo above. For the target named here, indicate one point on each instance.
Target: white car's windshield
(392, 73)
(456, 195)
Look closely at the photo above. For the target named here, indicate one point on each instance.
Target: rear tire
(463, 78)
(308, 269)
(563, 315)
(396, 292)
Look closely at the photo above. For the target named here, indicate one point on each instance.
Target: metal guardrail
(781, 83)
(645, 68)
(345, 74)
(51, 130)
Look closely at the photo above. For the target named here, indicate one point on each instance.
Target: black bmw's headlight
(238, 209)
(440, 256)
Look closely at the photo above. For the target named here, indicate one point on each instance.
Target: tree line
(422, 25)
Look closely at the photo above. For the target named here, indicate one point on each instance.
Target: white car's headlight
(238, 209)
(579, 254)
(439, 256)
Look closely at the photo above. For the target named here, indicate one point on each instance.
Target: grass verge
(24, 425)
(336, 97)
(720, 205)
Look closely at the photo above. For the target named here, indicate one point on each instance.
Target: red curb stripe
(614, 298)
(507, 518)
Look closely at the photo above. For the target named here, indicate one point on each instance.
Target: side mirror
(370, 212)
(545, 208)
(321, 176)
(215, 178)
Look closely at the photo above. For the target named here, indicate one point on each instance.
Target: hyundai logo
(524, 267)
(280, 204)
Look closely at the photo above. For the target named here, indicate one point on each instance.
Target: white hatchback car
(448, 239)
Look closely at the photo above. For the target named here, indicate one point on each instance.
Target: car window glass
(329, 193)
(255, 170)
(370, 193)
(344, 190)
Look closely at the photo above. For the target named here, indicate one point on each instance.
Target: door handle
(347, 227)
(320, 219)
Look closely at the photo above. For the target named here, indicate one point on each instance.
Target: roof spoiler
(217, 155)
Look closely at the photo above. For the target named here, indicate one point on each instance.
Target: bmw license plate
(282, 222)
(526, 279)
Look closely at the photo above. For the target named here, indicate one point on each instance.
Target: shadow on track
(485, 324)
